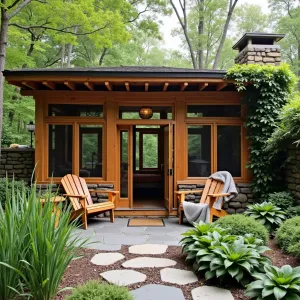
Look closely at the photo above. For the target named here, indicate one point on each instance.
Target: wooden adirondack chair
(79, 195)
(212, 191)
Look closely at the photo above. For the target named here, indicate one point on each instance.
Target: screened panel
(229, 149)
(70, 110)
(124, 164)
(199, 150)
(150, 150)
(90, 150)
(60, 150)
(198, 111)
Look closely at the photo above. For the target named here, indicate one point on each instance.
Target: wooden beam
(220, 86)
(183, 86)
(165, 86)
(146, 86)
(202, 86)
(89, 85)
(16, 83)
(49, 84)
(127, 86)
(108, 86)
(32, 85)
(70, 85)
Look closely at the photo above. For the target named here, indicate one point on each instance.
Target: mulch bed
(81, 270)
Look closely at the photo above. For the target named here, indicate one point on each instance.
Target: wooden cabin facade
(89, 123)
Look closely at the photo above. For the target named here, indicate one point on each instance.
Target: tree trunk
(200, 33)
(224, 34)
(62, 58)
(102, 56)
(298, 71)
(70, 50)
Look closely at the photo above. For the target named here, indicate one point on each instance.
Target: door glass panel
(229, 149)
(90, 151)
(199, 150)
(124, 164)
(60, 150)
(150, 151)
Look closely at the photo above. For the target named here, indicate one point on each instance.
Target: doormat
(146, 222)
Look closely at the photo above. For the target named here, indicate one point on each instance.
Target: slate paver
(211, 293)
(115, 239)
(177, 276)
(105, 259)
(152, 249)
(148, 262)
(123, 277)
(157, 292)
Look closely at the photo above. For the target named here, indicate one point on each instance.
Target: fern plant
(275, 283)
(267, 213)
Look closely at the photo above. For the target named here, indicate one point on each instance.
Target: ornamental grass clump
(266, 213)
(33, 254)
(275, 283)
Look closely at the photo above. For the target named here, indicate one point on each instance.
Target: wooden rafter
(183, 86)
(220, 86)
(49, 84)
(70, 85)
(202, 86)
(30, 84)
(165, 86)
(146, 86)
(108, 86)
(89, 85)
(127, 86)
(16, 83)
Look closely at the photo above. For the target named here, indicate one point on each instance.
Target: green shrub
(276, 283)
(293, 211)
(94, 290)
(242, 225)
(33, 254)
(267, 214)
(288, 233)
(284, 200)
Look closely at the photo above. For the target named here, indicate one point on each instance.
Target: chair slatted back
(75, 185)
(212, 186)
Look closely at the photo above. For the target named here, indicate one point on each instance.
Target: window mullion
(76, 149)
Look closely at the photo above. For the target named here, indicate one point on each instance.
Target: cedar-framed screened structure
(88, 124)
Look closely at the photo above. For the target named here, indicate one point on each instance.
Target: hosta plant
(275, 283)
(267, 213)
(235, 260)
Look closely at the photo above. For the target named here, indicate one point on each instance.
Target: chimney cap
(260, 38)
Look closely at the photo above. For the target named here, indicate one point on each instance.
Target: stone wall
(260, 55)
(236, 205)
(17, 163)
(292, 172)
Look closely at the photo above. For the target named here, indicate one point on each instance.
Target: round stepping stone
(157, 292)
(123, 277)
(105, 259)
(152, 249)
(176, 276)
(148, 262)
(211, 293)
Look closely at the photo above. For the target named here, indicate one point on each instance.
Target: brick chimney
(258, 48)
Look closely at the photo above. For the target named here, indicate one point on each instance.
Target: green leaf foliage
(293, 211)
(265, 91)
(267, 214)
(283, 200)
(94, 290)
(275, 283)
(242, 225)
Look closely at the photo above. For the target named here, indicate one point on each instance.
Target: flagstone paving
(211, 293)
(123, 277)
(152, 249)
(148, 262)
(176, 276)
(105, 259)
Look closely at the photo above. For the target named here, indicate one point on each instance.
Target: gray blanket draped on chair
(196, 212)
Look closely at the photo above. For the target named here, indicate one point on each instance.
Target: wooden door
(168, 167)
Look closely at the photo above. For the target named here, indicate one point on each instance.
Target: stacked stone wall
(234, 206)
(292, 172)
(260, 55)
(17, 163)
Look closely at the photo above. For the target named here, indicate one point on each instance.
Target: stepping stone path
(148, 262)
(211, 293)
(147, 249)
(123, 277)
(105, 259)
(177, 276)
(157, 292)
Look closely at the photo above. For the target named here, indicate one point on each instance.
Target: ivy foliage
(265, 91)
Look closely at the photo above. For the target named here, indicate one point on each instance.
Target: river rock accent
(106, 259)
(123, 277)
(148, 262)
(176, 276)
(211, 293)
(148, 249)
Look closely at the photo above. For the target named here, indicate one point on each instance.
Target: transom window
(132, 112)
(198, 111)
(80, 110)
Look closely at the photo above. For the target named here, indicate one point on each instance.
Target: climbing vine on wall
(265, 90)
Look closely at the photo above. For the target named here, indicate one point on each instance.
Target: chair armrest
(105, 192)
(188, 192)
(76, 196)
(218, 195)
